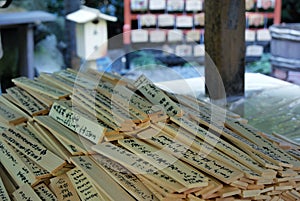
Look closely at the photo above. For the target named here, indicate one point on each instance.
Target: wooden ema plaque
(199, 19)
(157, 5)
(193, 5)
(175, 35)
(148, 20)
(166, 20)
(184, 21)
(254, 50)
(199, 50)
(250, 35)
(193, 36)
(175, 5)
(183, 50)
(263, 35)
(139, 36)
(157, 36)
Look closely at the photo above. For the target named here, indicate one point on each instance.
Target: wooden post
(225, 47)
(26, 50)
(71, 59)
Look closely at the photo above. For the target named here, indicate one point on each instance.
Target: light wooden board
(198, 145)
(156, 96)
(256, 152)
(83, 186)
(56, 81)
(11, 105)
(209, 165)
(53, 143)
(179, 171)
(220, 144)
(40, 87)
(35, 151)
(3, 192)
(10, 116)
(251, 134)
(74, 121)
(26, 101)
(77, 79)
(39, 172)
(62, 132)
(63, 188)
(25, 193)
(125, 178)
(137, 165)
(44, 192)
(106, 183)
(7, 180)
(17, 169)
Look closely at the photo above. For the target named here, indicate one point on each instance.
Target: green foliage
(290, 11)
(261, 66)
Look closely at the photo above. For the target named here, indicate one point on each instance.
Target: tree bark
(225, 48)
(71, 58)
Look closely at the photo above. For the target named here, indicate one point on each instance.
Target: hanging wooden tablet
(193, 5)
(254, 50)
(157, 36)
(166, 20)
(250, 35)
(199, 20)
(175, 6)
(139, 36)
(263, 35)
(157, 5)
(148, 20)
(138, 5)
(193, 35)
(256, 19)
(184, 21)
(183, 50)
(175, 35)
(249, 4)
(199, 50)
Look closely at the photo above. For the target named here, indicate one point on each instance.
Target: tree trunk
(71, 59)
(225, 48)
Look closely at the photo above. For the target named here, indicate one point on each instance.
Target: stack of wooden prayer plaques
(97, 136)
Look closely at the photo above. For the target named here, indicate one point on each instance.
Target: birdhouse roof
(87, 14)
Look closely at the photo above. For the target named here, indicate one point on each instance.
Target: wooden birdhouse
(91, 32)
